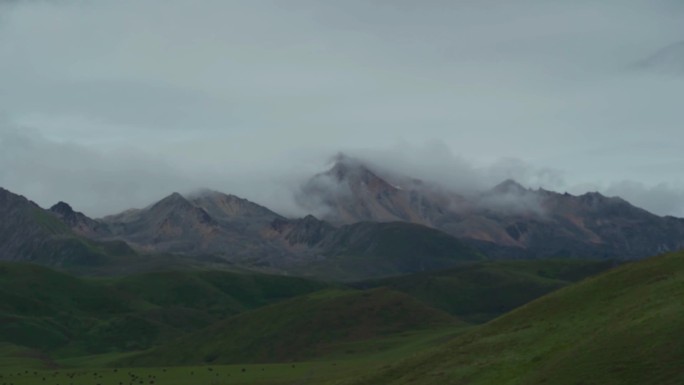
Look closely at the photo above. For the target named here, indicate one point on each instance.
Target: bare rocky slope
(507, 221)
(30, 234)
(217, 230)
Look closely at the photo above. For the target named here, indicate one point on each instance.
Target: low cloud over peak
(127, 101)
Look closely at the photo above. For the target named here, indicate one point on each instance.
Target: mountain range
(374, 224)
(509, 220)
(398, 281)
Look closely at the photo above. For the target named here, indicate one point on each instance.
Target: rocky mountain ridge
(508, 220)
(404, 225)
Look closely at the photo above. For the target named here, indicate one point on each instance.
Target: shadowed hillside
(368, 250)
(300, 328)
(481, 291)
(65, 316)
(29, 233)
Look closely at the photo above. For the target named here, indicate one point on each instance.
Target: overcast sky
(113, 104)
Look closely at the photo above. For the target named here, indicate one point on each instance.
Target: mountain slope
(29, 233)
(170, 224)
(77, 221)
(177, 224)
(480, 291)
(507, 221)
(297, 329)
(622, 327)
(65, 315)
(231, 209)
(211, 229)
(369, 249)
(254, 237)
(351, 192)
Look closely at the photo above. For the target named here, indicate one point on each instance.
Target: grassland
(620, 328)
(65, 316)
(347, 362)
(270, 374)
(479, 292)
(301, 328)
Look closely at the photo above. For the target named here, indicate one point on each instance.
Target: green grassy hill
(624, 327)
(68, 316)
(301, 328)
(219, 293)
(481, 291)
(41, 308)
(225, 317)
(621, 327)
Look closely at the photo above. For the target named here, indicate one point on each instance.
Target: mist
(112, 105)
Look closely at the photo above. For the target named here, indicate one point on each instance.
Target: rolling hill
(65, 315)
(301, 328)
(257, 317)
(622, 327)
(478, 292)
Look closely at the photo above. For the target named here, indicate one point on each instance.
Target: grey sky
(112, 104)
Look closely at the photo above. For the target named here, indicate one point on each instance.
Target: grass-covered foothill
(478, 292)
(302, 328)
(224, 317)
(63, 316)
(620, 328)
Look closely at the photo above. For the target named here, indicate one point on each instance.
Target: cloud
(98, 183)
(105, 182)
(250, 97)
(512, 202)
(436, 163)
(662, 199)
(102, 182)
(666, 61)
